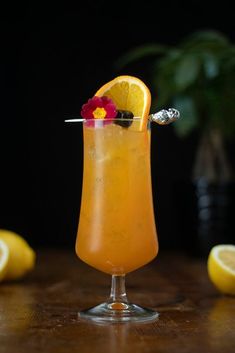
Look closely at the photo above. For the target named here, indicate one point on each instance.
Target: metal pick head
(165, 117)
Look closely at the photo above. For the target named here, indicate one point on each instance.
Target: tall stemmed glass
(116, 231)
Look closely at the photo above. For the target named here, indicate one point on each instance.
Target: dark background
(54, 57)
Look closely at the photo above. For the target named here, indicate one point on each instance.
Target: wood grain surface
(39, 313)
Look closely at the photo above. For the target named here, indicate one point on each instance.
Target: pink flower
(99, 108)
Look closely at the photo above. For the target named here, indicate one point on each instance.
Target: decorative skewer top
(165, 117)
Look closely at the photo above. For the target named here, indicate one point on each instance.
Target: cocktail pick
(165, 117)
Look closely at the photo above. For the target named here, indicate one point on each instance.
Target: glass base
(118, 312)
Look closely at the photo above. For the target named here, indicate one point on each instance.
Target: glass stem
(118, 290)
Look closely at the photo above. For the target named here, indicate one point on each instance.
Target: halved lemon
(129, 93)
(4, 257)
(21, 256)
(221, 267)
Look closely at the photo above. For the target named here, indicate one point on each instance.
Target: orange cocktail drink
(116, 232)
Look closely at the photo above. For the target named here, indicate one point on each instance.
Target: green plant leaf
(139, 53)
(211, 65)
(228, 61)
(163, 73)
(211, 38)
(188, 115)
(186, 72)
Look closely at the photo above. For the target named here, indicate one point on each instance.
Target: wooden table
(39, 313)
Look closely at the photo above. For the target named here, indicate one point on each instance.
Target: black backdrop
(54, 57)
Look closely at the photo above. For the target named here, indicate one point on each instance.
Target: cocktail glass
(116, 231)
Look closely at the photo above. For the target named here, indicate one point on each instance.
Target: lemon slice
(221, 267)
(129, 93)
(4, 257)
(21, 256)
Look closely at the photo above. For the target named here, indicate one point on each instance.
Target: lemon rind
(5, 254)
(215, 255)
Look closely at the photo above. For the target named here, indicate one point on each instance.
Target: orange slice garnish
(129, 93)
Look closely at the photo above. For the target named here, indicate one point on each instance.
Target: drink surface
(116, 232)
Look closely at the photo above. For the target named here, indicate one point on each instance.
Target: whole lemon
(21, 256)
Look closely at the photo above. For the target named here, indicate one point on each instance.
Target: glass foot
(118, 312)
